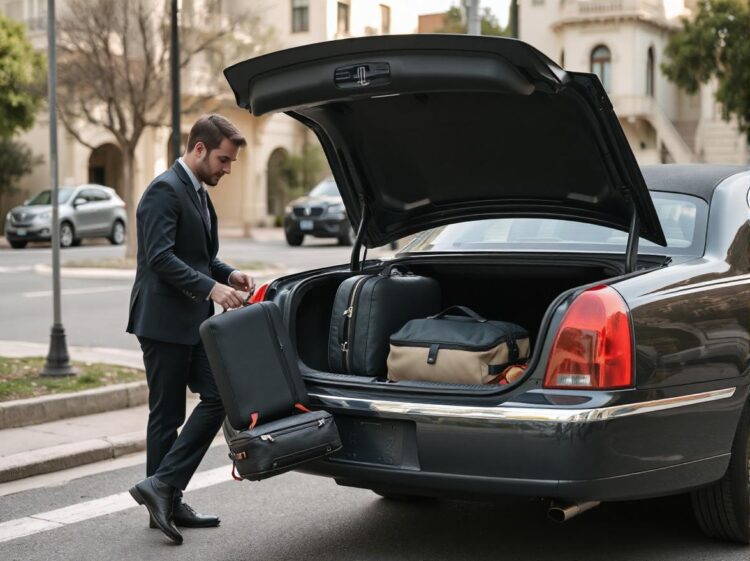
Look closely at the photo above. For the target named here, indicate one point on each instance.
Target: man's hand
(226, 297)
(242, 281)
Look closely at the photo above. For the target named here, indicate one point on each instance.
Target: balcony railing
(583, 9)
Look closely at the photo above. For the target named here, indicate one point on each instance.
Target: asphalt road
(297, 517)
(94, 311)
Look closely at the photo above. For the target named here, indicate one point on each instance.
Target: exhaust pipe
(561, 512)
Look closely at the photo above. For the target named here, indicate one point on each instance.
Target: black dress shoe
(158, 498)
(183, 515)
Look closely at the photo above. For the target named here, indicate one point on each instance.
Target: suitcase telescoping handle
(463, 309)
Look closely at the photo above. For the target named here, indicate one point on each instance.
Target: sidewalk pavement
(54, 445)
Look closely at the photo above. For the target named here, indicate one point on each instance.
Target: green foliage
(715, 44)
(16, 160)
(455, 21)
(302, 171)
(21, 75)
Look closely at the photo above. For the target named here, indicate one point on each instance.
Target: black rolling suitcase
(367, 310)
(255, 367)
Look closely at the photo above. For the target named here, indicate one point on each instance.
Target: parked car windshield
(683, 219)
(326, 188)
(45, 197)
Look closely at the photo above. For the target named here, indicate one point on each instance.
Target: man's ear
(199, 149)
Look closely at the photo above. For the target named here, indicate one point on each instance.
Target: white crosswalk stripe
(50, 520)
(17, 269)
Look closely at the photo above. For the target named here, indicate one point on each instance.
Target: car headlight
(337, 212)
(288, 209)
(9, 217)
(44, 216)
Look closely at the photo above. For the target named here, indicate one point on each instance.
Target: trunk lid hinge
(631, 253)
(356, 261)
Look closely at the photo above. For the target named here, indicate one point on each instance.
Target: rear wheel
(17, 244)
(347, 238)
(117, 236)
(722, 509)
(294, 239)
(66, 235)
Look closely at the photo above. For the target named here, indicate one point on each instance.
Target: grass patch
(19, 378)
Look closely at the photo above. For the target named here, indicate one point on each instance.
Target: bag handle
(393, 270)
(464, 310)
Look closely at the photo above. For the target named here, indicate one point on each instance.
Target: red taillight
(592, 348)
(260, 293)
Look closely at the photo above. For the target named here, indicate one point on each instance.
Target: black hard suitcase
(367, 310)
(274, 448)
(254, 364)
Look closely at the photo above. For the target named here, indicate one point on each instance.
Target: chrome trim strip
(506, 412)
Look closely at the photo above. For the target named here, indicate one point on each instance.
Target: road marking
(44, 521)
(17, 269)
(73, 291)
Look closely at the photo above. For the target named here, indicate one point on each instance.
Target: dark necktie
(204, 206)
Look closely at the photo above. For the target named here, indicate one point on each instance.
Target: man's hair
(211, 130)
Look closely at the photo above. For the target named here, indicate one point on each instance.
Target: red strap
(254, 419)
(302, 408)
(235, 477)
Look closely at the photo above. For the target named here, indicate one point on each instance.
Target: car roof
(698, 180)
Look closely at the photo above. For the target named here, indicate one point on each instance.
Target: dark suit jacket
(177, 264)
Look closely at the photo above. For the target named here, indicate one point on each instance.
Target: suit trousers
(170, 369)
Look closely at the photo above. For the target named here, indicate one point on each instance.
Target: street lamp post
(174, 67)
(58, 360)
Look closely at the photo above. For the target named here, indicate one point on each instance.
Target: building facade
(255, 192)
(623, 42)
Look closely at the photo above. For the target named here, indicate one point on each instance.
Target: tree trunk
(128, 181)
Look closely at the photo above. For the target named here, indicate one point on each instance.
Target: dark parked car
(634, 284)
(86, 211)
(321, 213)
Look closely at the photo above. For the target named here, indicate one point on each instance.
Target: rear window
(682, 217)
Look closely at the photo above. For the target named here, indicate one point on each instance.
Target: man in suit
(177, 281)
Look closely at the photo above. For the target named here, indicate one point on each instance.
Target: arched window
(601, 65)
(650, 72)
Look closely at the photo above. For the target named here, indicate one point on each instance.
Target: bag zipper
(273, 435)
(509, 336)
(349, 325)
(282, 357)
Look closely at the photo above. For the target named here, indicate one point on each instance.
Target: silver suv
(86, 211)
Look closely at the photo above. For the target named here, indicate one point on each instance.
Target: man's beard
(207, 179)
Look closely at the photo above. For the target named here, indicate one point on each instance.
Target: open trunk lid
(425, 130)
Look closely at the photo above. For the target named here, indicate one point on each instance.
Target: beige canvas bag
(455, 349)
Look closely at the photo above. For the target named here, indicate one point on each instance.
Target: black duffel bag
(279, 446)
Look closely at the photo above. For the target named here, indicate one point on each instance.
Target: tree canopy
(21, 75)
(114, 68)
(715, 44)
(455, 21)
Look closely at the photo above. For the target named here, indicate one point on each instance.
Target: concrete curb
(65, 456)
(36, 410)
(125, 274)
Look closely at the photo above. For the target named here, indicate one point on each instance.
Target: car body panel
(453, 132)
